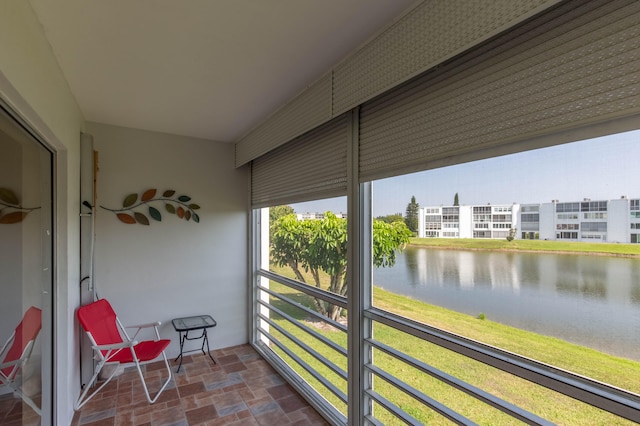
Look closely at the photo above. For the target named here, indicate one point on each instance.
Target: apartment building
(318, 216)
(615, 220)
(479, 221)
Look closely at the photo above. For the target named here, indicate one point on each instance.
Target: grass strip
(544, 246)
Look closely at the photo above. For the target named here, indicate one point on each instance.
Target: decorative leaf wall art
(10, 209)
(139, 208)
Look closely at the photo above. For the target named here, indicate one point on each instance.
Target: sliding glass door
(25, 276)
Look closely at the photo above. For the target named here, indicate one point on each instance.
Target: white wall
(173, 268)
(466, 222)
(547, 221)
(618, 228)
(32, 84)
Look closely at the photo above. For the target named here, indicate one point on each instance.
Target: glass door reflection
(25, 276)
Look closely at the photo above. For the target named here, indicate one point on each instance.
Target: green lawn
(609, 249)
(557, 408)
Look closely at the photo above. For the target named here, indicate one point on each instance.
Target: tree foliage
(316, 246)
(456, 201)
(411, 215)
(390, 218)
(277, 212)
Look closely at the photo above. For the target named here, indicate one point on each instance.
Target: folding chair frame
(17, 364)
(128, 343)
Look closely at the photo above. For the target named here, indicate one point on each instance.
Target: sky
(600, 169)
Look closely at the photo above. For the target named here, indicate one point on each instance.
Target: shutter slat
(576, 65)
(312, 166)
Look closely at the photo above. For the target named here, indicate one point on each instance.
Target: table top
(196, 322)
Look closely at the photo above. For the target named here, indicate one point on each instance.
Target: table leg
(206, 340)
(182, 339)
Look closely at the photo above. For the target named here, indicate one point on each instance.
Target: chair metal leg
(81, 400)
(144, 383)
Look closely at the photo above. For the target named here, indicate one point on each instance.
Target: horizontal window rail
(465, 387)
(312, 291)
(330, 343)
(614, 400)
(300, 306)
(330, 365)
(416, 394)
(330, 386)
(391, 407)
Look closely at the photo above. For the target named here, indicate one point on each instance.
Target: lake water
(589, 300)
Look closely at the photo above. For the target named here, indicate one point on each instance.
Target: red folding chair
(112, 345)
(16, 352)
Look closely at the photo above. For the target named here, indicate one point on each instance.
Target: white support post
(359, 279)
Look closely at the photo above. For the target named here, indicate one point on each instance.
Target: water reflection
(589, 300)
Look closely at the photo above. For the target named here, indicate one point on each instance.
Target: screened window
(496, 297)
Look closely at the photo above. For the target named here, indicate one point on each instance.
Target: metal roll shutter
(312, 166)
(574, 65)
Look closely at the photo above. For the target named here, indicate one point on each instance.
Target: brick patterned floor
(241, 389)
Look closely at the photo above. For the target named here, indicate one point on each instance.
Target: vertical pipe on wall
(87, 243)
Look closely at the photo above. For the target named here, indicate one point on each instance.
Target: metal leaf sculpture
(10, 209)
(175, 205)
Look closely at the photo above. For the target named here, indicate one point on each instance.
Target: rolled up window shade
(576, 64)
(311, 166)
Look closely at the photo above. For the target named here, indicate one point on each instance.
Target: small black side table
(187, 324)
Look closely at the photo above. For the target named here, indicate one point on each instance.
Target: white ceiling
(212, 69)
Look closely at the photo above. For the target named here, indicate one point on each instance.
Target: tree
(390, 218)
(316, 246)
(277, 212)
(512, 234)
(411, 215)
(456, 202)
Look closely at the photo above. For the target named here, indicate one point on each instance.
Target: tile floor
(14, 413)
(241, 389)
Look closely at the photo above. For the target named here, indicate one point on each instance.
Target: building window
(567, 207)
(502, 209)
(570, 216)
(595, 215)
(567, 235)
(593, 226)
(530, 217)
(482, 217)
(482, 234)
(563, 226)
(481, 209)
(593, 206)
